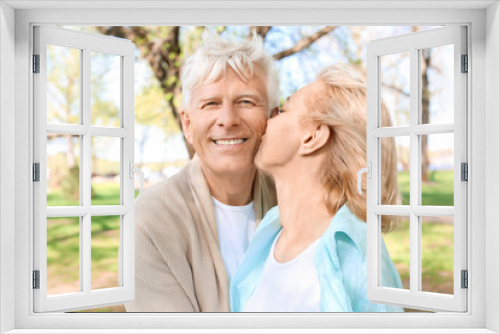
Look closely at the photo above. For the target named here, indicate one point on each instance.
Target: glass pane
(437, 169)
(63, 255)
(105, 244)
(437, 84)
(437, 254)
(395, 87)
(105, 89)
(395, 170)
(395, 231)
(63, 85)
(106, 152)
(63, 170)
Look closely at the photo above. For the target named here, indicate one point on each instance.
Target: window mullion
(85, 164)
(414, 171)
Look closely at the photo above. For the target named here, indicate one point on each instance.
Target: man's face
(225, 122)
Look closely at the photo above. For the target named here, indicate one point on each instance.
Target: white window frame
(413, 43)
(483, 21)
(85, 43)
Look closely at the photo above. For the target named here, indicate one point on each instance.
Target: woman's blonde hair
(342, 107)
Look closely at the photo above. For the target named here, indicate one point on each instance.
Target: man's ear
(315, 139)
(186, 126)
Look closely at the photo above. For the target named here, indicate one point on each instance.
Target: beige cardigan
(178, 265)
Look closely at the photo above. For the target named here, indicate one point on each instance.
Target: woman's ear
(186, 126)
(315, 139)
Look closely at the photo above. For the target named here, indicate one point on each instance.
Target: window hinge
(465, 64)
(464, 172)
(36, 172)
(465, 279)
(36, 63)
(36, 279)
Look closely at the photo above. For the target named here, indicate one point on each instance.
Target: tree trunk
(426, 57)
(426, 64)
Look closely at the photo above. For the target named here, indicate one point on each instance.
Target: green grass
(438, 191)
(63, 253)
(437, 254)
(63, 239)
(437, 237)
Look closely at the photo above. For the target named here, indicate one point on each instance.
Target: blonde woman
(309, 253)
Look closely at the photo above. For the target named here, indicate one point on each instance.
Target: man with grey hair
(193, 228)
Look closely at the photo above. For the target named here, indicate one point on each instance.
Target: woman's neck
(303, 212)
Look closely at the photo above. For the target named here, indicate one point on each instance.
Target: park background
(160, 150)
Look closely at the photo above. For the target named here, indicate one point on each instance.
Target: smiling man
(193, 229)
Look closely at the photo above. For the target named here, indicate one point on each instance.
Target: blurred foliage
(151, 109)
(70, 185)
(63, 85)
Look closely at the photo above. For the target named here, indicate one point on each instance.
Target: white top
(291, 286)
(236, 226)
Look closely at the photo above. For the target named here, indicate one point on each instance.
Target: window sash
(86, 298)
(413, 298)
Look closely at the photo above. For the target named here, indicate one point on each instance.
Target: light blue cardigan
(340, 261)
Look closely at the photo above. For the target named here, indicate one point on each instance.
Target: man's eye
(246, 102)
(210, 104)
(276, 112)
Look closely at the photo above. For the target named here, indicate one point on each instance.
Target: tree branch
(261, 30)
(397, 89)
(304, 43)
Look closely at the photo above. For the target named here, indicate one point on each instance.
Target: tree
(63, 92)
(426, 64)
(63, 105)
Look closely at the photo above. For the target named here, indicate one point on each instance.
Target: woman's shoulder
(271, 220)
(348, 233)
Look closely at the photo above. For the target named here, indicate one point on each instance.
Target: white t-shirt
(236, 226)
(291, 286)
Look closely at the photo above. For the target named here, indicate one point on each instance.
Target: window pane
(63, 255)
(437, 254)
(105, 89)
(63, 170)
(395, 231)
(106, 152)
(63, 85)
(395, 87)
(437, 84)
(395, 168)
(105, 231)
(437, 169)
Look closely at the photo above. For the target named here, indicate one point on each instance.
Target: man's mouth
(231, 141)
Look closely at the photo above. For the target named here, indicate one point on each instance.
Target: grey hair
(211, 60)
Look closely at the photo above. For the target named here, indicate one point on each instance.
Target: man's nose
(228, 115)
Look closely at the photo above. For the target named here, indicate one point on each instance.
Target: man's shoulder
(167, 201)
(174, 184)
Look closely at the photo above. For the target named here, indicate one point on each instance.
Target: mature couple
(210, 238)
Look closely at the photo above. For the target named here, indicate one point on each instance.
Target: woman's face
(285, 131)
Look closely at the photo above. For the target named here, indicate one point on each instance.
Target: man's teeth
(229, 141)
